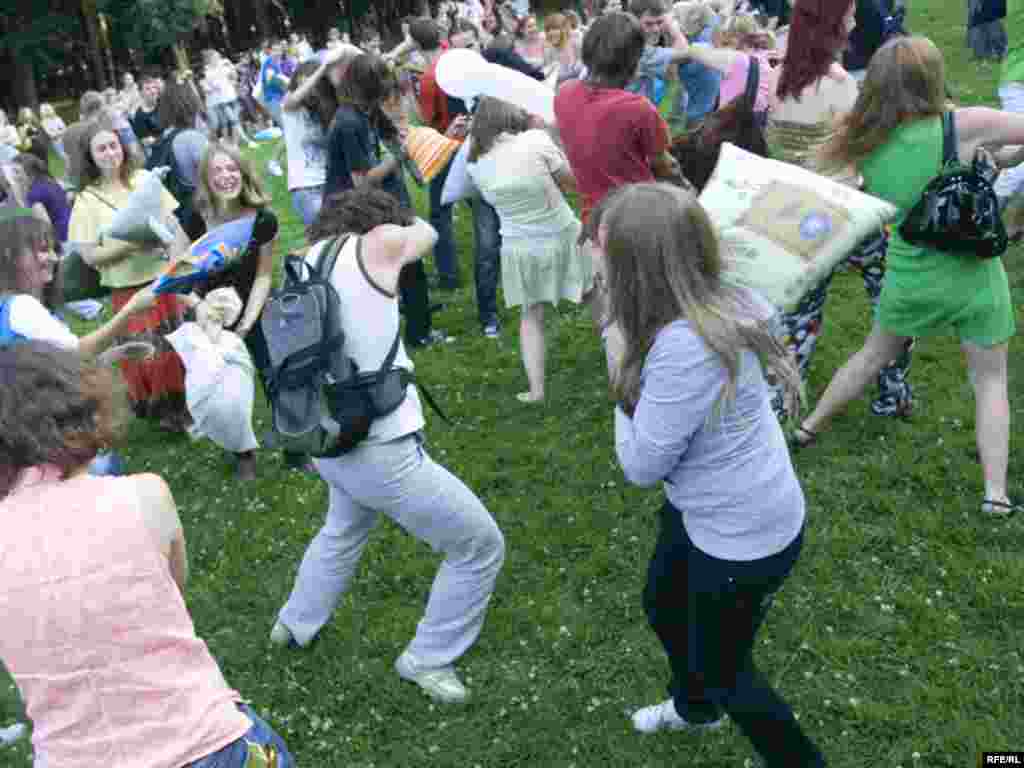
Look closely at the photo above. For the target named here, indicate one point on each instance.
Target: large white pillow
(785, 228)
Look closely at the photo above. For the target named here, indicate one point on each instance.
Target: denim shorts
(236, 754)
(307, 202)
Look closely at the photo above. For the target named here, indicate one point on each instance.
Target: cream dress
(540, 259)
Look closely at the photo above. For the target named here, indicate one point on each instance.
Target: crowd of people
(702, 378)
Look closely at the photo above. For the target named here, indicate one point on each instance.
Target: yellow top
(91, 214)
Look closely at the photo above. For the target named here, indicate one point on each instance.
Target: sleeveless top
(98, 637)
(369, 318)
(798, 144)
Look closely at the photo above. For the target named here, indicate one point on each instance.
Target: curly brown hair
(357, 211)
(56, 408)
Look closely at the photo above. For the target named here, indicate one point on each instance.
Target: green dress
(928, 292)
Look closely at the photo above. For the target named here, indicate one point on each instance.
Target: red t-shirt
(610, 137)
(433, 102)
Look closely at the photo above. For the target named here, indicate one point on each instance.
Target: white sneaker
(663, 717)
(13, 733)
(282, 636)
(274, 168)
(440, 683)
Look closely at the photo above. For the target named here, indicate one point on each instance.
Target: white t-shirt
(307, 149)
(218, 85)
(29, 318)
(369, 318)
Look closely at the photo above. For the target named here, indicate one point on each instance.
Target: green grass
(896, 639)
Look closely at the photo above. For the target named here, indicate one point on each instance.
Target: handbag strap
(101, 198)
(949, 140)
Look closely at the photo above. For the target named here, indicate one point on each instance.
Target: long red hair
(816, 39)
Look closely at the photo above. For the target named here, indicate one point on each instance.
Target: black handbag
(958, 211)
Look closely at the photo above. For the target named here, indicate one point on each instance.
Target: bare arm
(293, 100)
(260, 289)
(721, 59)
(983, 126)
(160, 514)
(93, 343)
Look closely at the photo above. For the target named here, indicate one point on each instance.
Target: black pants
(415, 297)
(707, 612)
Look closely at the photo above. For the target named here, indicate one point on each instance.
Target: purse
(737, 123)
(958, 211)
(80, 281)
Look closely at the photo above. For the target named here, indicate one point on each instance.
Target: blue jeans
(487, 266)
(235, 754)
(445, 261)
(706, 612)
(307, 202)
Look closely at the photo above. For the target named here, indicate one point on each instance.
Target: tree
(30, 40)
(152, 26)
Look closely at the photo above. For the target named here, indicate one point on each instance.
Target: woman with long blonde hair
(688, 356)
(229, 189)
(893, 136)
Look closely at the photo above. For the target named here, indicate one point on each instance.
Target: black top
(146, 124)
(353, 146)
(242, 275)
(869, 34)
(507, 57)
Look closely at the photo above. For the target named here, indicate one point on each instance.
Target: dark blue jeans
(707, 612)
(487, 266)
(236, 754)
(445, 261)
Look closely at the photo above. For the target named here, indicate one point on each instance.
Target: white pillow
(784, 228)
(458, 185)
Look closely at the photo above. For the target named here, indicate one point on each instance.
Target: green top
(928, 292)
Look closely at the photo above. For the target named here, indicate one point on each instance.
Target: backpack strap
(408, 377)
(949, 140)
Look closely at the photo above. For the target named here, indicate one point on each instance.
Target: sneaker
(996, 508)
(663, 717)
(274, 168)
(440, 683)
(434, 338)
(13, 733)
(281, 636)
(492, 330)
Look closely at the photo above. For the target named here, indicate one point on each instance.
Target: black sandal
(994, 508)
(802, 437)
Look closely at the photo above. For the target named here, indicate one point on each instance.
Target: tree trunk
(92, 32)
(23, 82)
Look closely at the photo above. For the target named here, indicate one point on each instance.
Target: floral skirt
(156, 386)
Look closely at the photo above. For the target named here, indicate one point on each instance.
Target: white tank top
(369, 318)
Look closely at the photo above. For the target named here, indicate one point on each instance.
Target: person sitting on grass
(390, 472)
(100, 565)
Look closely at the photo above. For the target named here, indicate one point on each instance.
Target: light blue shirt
(654, 62)
(726, 467)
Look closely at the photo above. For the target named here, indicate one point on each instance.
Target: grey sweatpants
(401, 481)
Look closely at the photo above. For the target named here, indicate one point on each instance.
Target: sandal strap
(998, 508)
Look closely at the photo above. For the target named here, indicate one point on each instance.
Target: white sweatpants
(400, 480)
(1011, 181)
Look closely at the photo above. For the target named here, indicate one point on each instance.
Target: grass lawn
(895, 639)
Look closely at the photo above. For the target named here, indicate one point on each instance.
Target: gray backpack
(322, 405)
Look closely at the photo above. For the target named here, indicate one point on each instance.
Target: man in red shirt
(611, 137)
(441, 113)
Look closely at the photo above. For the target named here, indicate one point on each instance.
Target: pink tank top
(98, 637)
